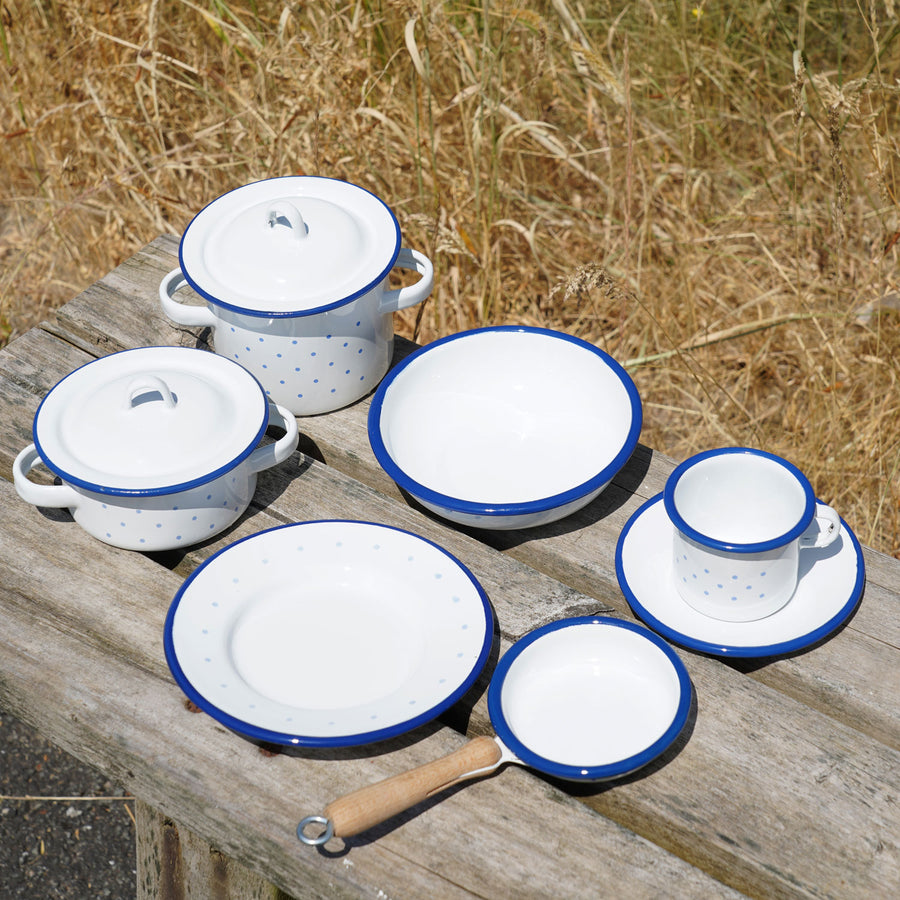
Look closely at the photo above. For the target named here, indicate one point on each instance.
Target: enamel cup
(294, 272)
(742, 518)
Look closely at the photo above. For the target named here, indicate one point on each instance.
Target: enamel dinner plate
(328, 634)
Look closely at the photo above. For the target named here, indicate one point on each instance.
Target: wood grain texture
(781, 757)
(129, 719)
(579, 550)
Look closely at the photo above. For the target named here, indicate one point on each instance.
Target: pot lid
(150, 421)
(289, 246)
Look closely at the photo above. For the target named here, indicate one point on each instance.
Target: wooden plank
(58, 676)
(767, 771)
(173, 863)
(836, 682)
(840, 686)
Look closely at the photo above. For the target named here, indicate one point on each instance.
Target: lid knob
(143, 390)
(284, 214)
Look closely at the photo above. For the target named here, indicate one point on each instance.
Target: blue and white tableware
(156, 448)
(507, 427)
(294, 274)
(328, 634)
(741, 519)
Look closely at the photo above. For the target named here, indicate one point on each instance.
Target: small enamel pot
(294, 272)
(156, 448)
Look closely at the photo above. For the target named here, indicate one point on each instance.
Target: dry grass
(674, 181)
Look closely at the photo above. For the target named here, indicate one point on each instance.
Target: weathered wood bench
(784, 783)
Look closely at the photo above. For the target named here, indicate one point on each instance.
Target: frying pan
(582, 699)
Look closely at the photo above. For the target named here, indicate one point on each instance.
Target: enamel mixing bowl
(506, 427)
(156, 448)
(294, 272)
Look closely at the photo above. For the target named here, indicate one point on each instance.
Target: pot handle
(50, 496)
(367, 807)
(179, 312)
(272, 454)
(404, 297)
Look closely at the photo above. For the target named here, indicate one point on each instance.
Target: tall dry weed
(708, 191)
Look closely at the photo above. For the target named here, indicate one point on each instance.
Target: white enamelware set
(341, 633)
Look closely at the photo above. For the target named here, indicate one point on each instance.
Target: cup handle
(49, 496)
(271, 454)
(179, 312)
(404, 297)
(824, 530)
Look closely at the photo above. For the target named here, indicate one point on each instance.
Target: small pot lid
(289, 246)
(154, 420)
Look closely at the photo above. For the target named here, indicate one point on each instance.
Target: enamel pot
(155, 448)
(294, 275)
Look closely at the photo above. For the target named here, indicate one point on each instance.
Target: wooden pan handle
(362, 809)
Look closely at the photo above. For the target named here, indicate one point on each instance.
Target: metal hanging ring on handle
(320, 839)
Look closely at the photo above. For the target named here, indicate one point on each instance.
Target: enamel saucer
(829, 589)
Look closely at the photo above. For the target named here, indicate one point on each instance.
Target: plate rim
(289, 739)
(748, 651)
(605, 771)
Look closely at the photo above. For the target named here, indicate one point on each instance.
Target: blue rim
(110, 491)
(738, 651)
(297, 740)
(502, 509)
(290, 314)
(809, 509)
(589, 773)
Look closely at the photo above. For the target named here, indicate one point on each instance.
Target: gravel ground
(53, 848)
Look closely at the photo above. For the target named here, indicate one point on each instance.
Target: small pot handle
(272, 454)
(404, 297)
(50, 496)
(179, 312)
(367, 807)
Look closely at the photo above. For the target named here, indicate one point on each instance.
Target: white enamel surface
(237, 253)
(589, 696)
(329, 629)
(740, 498)
(827, 580)
(737, 587)
(312, 364)
(516, 520)
(107, 424)
(505, 417)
